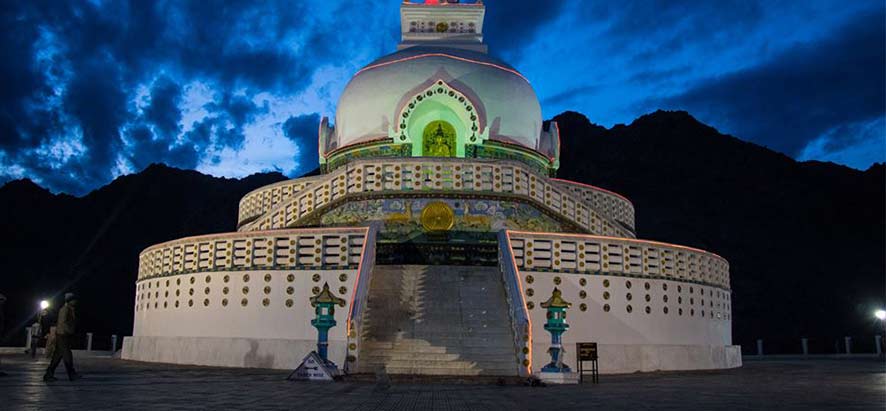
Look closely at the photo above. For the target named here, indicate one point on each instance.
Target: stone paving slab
(112, 384)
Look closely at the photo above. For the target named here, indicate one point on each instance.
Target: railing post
(805, 342)
(113, 343)
(88, 341)
(848, 341)
(759, 347)
(878, 344)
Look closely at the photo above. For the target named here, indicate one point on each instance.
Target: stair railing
(520, 322)
(360, 297)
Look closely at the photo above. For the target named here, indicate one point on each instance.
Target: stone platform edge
(283, 354)
(625, 359)
(287, 354)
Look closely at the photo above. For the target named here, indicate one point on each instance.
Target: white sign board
(313, 368)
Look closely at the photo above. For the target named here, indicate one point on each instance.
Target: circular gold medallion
(437, 216)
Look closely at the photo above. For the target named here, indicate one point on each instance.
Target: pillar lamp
(324, 307)
(556, 325)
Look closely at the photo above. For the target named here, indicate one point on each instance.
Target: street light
(45, 304)
(880, 314)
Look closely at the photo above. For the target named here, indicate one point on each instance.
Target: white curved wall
(186, 309)
(507, 104)
(651, 305)
(242, 299)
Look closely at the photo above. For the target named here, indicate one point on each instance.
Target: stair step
(384, 357)
(439, 365)
(437, 320)
(471, 350)
(446, 371)
(453, 345)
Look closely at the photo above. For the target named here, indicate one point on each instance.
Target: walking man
(65, 329)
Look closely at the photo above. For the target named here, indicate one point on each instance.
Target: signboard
(313, 368)
(587, 351)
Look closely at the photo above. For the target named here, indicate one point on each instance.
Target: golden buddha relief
(438, 140)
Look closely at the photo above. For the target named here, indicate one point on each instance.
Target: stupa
(437, 217)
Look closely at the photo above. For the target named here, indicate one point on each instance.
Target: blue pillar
(556, 325)
(324, 309)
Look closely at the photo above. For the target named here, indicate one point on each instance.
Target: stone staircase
(437, 320)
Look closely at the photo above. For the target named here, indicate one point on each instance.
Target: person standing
(65, 330)
(39, 330)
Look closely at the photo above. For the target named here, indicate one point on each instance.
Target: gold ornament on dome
(437, 216)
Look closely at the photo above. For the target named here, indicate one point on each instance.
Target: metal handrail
(520, 322)
(361, 295)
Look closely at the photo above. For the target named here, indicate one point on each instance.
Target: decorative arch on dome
(439, 102)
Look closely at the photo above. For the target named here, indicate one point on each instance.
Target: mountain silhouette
(89, 245)
(804, 240)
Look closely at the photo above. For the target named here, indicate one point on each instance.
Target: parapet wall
(603, 213)
(671, 303)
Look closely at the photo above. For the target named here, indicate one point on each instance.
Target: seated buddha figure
(438, 146)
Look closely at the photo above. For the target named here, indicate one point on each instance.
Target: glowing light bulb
(880, 314)
(44, 304)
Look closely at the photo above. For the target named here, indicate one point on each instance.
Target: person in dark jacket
(65, 330)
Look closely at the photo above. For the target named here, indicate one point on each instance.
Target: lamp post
(880, 315)
(316, 365)
(37, 327)
(324, 304)
(556, 325)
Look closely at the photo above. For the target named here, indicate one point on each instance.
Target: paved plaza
(116, 384)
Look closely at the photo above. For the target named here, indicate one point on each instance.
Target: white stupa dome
(506, 106)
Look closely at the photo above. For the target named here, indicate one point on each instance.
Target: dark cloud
(163, 111)
(303, 131)
(94, 88)
(157, 136)
(148, 146)
(802, 93)
(97, 103)
(22, 83)
(72, 71)
(228, 117)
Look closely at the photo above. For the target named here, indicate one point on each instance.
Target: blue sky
(95, 89)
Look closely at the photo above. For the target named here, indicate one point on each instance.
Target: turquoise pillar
(556, 325)
(324, 309)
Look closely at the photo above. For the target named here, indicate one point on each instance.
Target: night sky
(94, 89)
